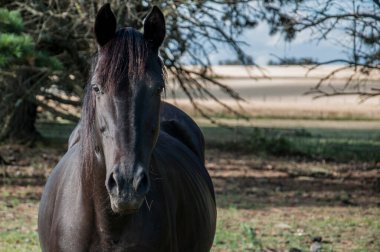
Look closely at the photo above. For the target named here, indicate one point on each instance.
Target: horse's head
(124, 96)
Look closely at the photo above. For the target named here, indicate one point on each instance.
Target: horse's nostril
(141, 183)
(144, 180)
(112, 182)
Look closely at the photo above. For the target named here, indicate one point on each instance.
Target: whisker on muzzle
(147, 204)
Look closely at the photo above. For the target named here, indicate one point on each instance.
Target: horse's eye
(160, 89)
(96, 88)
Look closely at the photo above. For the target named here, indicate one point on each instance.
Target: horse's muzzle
(127, 193)
(121, 206)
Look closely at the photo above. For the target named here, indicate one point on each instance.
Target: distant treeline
(280, 61)
(293, 61)
(246, 61)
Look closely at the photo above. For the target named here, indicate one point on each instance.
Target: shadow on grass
(256, 193)
(269, 192)
(252, 193)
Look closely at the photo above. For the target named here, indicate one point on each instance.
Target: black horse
(133, 178)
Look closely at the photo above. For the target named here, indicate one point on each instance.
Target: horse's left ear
(105, 25)
(154, 28)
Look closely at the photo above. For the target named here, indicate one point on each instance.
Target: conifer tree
(23, 70)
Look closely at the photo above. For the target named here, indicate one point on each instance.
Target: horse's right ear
(105, 25)
(154, 27)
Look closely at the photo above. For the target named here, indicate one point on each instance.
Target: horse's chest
(147, 231)
(137, 237)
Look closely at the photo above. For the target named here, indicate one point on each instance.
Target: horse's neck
(103, 217)
(96, 186)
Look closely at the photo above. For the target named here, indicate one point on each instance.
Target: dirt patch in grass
(264, 203)
(247, 181)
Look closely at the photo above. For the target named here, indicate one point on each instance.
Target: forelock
(122, 59)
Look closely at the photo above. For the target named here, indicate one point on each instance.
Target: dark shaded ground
(255, 182)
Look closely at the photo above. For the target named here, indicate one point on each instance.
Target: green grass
(15, 241)
(246, 230)
(342, 145)
(55, 131)
(235, 237)
(18, 225)
(337, 142)
(340, 228)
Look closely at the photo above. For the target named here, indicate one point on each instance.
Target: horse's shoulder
(67, 167)
(179, 125)
(63, 203)
(71, 158)
(180, 163)
(74, 136)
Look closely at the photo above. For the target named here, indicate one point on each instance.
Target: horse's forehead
(122, 58)
(146, 68)
(117, 73)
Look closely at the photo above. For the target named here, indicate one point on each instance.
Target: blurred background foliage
(53, 44)
(46, 48)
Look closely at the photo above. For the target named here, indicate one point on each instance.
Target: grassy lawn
(18, 215)
(279, 184)
(284, 228)
(341, 141)
(241, 229)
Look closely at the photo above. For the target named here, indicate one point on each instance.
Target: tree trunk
(18, 113)
(20, 126)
